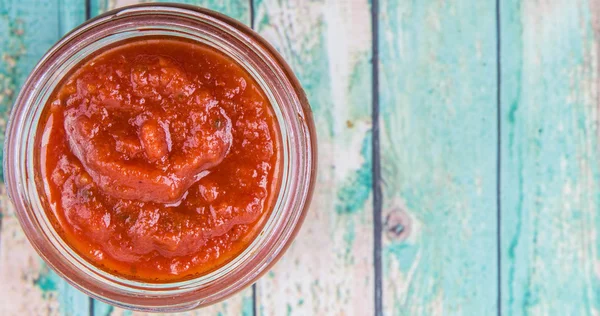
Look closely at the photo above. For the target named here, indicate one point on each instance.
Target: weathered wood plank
(438, 145)
(27, 30)
(240, 304)
(329, 268)
(237, 9)
(550, 177)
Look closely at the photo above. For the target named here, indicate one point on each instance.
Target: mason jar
(245, 47)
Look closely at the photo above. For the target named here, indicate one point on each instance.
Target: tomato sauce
(159, 159)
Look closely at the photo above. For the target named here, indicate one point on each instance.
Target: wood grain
(550, 176)
(439, 148)
(329, 268)
(438, 145)
(27, 30)
(237, 9)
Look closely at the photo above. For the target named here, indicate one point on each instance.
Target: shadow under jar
(161, 157)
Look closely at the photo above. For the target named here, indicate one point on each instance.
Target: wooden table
(459, 164)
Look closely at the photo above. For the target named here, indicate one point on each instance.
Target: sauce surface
(159, 159)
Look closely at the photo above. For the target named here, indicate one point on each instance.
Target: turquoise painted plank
(550, 176)
(237, 9)
(329, 268)
(27, 30)
(242, 303)
(438, 114)
(71, 13)
(102, 309)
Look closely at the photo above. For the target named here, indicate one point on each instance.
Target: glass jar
(298, 154)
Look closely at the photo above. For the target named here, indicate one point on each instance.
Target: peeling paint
(12, 43)
(357, 187)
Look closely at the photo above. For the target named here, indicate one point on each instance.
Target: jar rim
(267, 67)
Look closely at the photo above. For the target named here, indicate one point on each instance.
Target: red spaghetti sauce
(159, 159)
